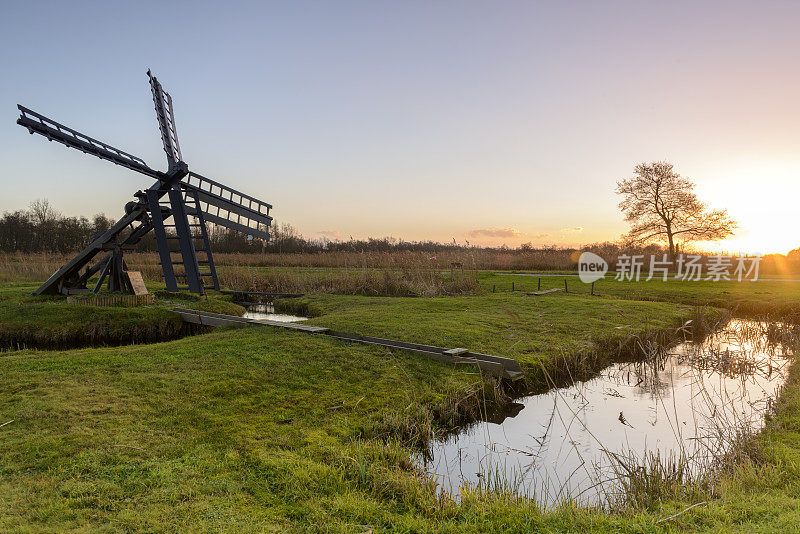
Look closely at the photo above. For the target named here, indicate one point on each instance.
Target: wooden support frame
(212, 202)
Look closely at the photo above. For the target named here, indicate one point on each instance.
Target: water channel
(570, 443)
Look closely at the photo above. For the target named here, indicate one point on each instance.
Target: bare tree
(661, 207)
(42, 211)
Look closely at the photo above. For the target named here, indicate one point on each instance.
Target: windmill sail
(166, 121)
(224, 206)
(53, 131)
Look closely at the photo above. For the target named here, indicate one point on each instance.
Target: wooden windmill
(177, 208)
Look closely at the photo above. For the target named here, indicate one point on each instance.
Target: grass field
(268, 430)
(51, 322)
(540, 333)
(773, 295)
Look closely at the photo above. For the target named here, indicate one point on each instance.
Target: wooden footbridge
(497, 366)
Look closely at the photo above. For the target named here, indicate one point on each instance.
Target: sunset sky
(488, 122)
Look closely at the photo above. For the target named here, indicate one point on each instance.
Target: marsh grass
(697, 472)
(411, 276)
(395, 273)
(18, 267)
(405, 282)
(643, 480)
(649, 478)
(640, 342)
(37, 267)
(418, 425)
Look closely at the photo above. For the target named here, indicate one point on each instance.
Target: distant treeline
(41, 229)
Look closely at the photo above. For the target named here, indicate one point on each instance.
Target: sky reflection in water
(554, 447)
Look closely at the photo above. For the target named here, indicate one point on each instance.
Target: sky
(484, 122)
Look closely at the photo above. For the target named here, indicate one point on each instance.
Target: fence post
(539, 285)
(512, 286)
(493, 288)
(565, 286)
(592, 288)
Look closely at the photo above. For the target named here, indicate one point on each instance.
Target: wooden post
(493, 286)
(539, 285)
(512, 286)
(592, 288)
(565, 286)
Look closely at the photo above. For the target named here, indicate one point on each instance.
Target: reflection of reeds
(751, 349)
(732, 362)
(747, 354)
(745, 348)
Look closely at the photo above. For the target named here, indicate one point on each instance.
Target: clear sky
(492, 122)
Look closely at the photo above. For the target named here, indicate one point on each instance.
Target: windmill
(177, 208)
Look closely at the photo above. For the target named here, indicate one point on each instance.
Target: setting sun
(762, 195)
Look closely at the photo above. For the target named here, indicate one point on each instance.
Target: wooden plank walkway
(497, 366)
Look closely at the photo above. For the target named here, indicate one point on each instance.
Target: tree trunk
(671, 243)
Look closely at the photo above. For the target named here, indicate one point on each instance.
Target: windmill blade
(53, 131)
(227, 207)
(166, 121)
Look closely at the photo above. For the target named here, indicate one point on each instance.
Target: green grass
(261, 429)
(50, 322)
(231, 428)
(746, 298)
(533, 330)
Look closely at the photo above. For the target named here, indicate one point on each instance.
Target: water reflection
(562, 444)
(267, 311)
